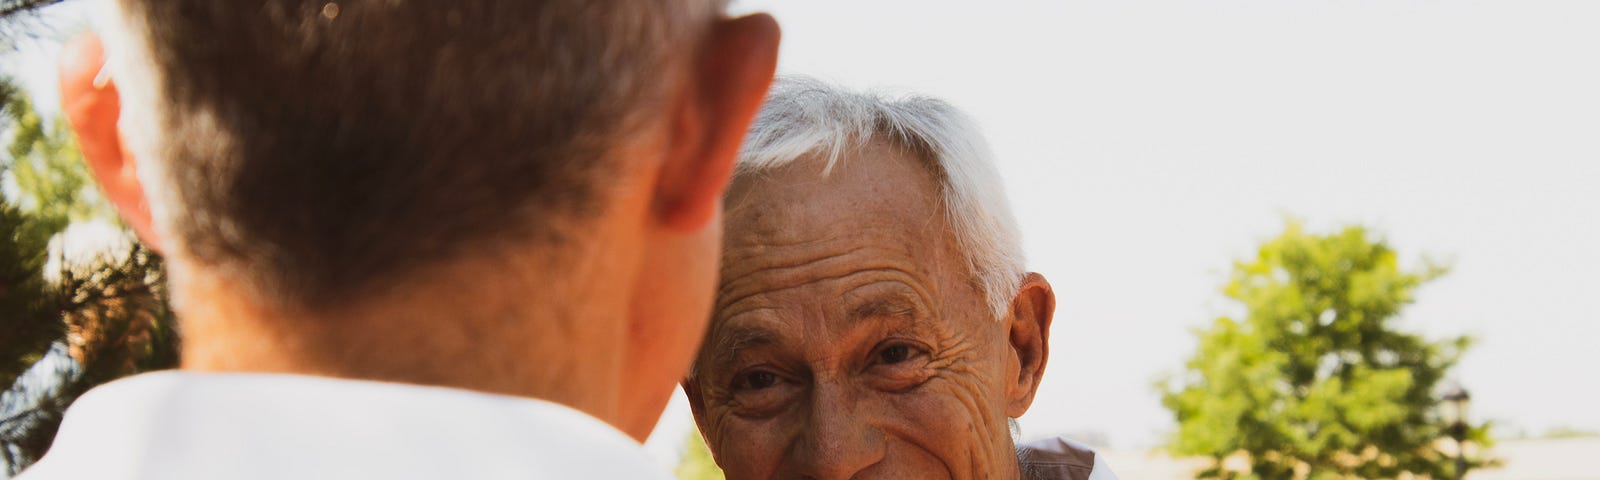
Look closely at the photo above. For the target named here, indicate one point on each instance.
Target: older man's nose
(838, 441)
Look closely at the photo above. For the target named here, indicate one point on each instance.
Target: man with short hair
(874, 318)
(466, 239)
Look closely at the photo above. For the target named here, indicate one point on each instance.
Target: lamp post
(1456, 401)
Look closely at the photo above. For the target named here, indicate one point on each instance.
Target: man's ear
(697, 407)
(728, 83)
(1029, 334)
(697, 403)
(90, 101)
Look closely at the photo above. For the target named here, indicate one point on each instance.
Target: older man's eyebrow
(882, 307)
(730, 343)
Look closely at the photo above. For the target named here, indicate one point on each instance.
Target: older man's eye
(760, 393)
(894, 354)
(898, 366)
(755, 380)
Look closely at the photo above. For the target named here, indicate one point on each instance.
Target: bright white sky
(1148, 143)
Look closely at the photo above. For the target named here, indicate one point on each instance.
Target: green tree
(27, 310)
(85, 321)
(48, 170)
(15, 8)
(696, 463)
(1317, 381)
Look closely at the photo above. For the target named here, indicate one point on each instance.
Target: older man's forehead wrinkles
(779, 271)
(796, 297)
(739, 260)
(820, 221)
(787, 243)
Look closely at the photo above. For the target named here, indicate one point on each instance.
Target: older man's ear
(1028, 328)
(697, 405)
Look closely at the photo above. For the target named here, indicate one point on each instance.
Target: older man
(874, 319)
(464, 239)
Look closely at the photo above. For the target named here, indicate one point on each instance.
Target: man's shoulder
(184, 425)
(1060, 458)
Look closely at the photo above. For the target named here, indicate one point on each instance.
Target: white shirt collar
(178, 425)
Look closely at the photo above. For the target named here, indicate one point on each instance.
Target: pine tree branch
(11, 8)
(19, 20)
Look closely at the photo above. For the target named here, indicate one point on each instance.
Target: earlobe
(90, 101)
(691, 391)
(728, 84)
(1029, 330)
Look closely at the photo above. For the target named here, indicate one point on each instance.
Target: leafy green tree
(1317, 381)
(10, 8)
(26, 304)
(71, 323)
(48, 169)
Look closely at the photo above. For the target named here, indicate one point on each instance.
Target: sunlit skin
(849, 338)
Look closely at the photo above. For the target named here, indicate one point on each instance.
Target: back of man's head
(318, 147)
(361, 188)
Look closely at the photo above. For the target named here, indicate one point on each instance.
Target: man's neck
(494, 338)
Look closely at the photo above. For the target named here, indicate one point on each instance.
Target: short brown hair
(321, 146)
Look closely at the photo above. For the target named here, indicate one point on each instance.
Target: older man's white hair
(804, 117)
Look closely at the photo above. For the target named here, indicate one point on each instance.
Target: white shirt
(178, 425)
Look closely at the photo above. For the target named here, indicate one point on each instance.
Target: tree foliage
(12, 8)
(1317, 380)
(48, 170)
(15, 16)
(73, 321)
(26, 304)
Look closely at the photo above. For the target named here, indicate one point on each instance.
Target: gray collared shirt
(1061, 459)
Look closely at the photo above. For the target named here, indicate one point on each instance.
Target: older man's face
(849, 340)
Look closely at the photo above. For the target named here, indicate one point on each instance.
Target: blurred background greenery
(697, 463)
(78, 310)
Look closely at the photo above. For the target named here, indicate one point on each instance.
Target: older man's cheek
(751, 450)
(966, 401)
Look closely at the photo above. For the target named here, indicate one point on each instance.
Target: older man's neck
(484, 336)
